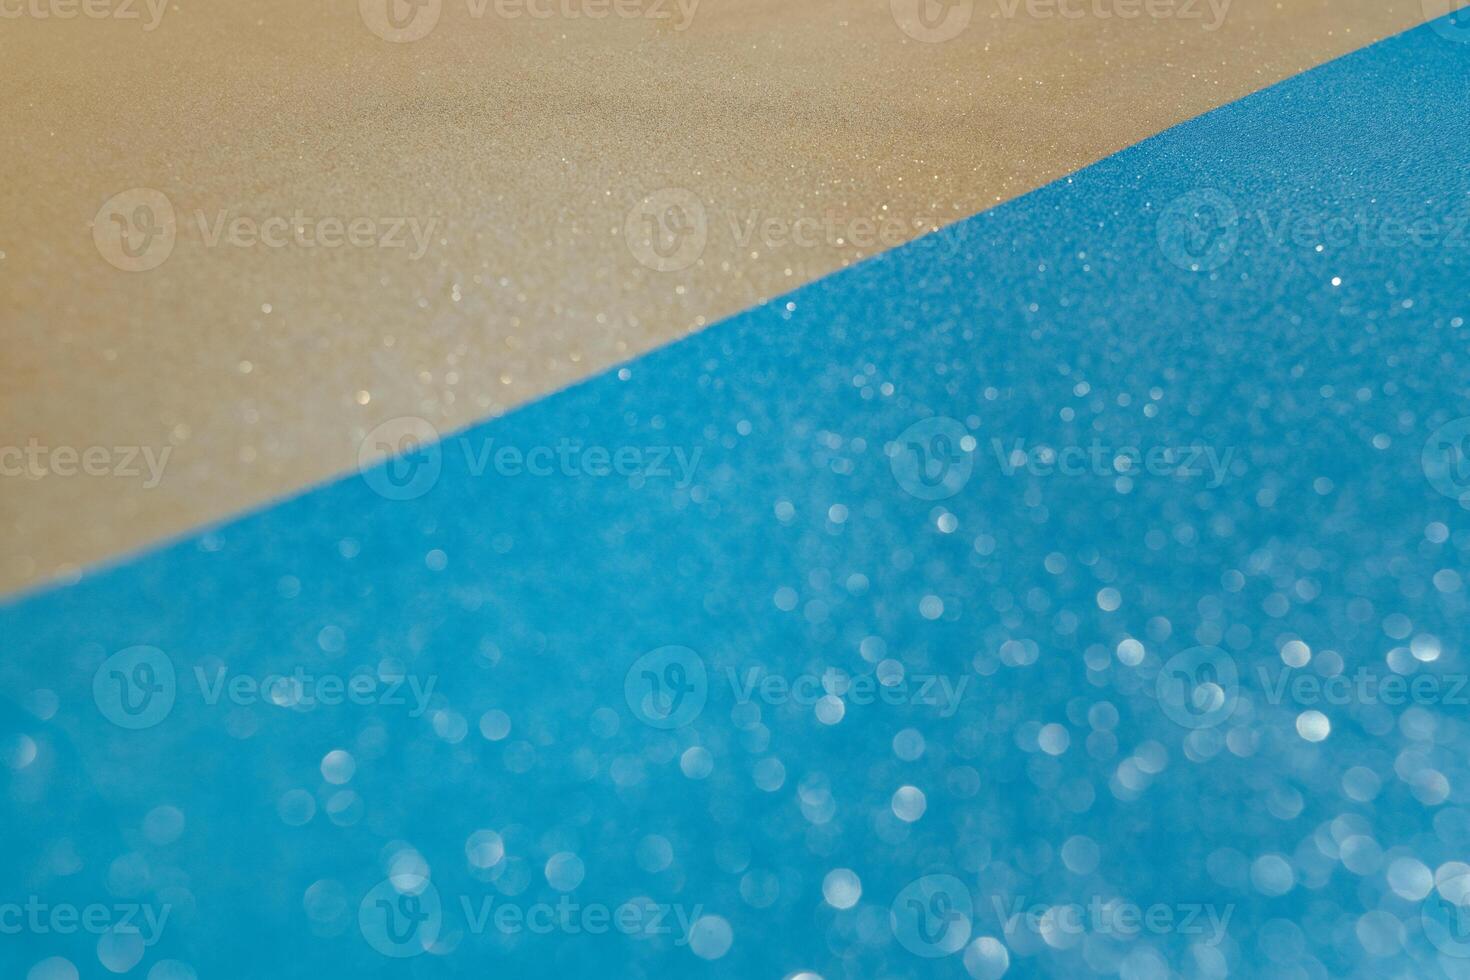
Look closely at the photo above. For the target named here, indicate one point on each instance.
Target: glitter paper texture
(511, 155)
(1075, 592)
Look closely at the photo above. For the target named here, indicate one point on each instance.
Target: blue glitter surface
(1076, 591)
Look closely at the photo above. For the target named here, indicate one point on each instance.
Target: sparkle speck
(565, 871)
(909, 803)
(710, 937)
(1313, 726)
(841, 888)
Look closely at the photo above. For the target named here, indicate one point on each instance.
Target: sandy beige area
(364, 228)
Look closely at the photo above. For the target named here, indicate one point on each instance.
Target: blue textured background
(1026, 322)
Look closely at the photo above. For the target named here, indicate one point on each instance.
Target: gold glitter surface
(461, 222)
